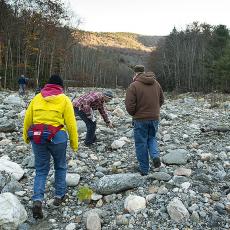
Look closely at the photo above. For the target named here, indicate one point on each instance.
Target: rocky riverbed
(191, 189)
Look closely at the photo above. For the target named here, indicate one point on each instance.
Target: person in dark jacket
(22, 81)
(144, 97)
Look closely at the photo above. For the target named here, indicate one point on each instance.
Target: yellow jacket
(53, 110)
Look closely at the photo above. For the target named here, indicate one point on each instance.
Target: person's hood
(51, 91)
(146, 78)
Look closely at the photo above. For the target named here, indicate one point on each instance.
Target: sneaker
(58, 200)
(37, 209)
(156, 162)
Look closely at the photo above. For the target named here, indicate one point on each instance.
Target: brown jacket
(144, 97)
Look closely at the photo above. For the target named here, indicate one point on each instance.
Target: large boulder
(12, 212)
(11, 168)
(8, 126)
(14, 100)
(177, 156)
(110, 184)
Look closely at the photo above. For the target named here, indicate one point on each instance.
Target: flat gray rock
(118, 182)
(8, 126)
(177, 156)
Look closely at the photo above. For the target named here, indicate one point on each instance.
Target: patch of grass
(84, 193)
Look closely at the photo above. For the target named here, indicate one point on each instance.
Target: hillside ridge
(122, 40)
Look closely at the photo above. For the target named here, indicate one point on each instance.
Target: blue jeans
(90, 125)
(145, 142)
(43, 154)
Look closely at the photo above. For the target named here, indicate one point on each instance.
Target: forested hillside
(35, 41)
(196, 59)
(105, 58)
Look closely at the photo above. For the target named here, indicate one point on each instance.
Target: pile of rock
(191, 189)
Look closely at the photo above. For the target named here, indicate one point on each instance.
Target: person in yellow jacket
(50, 108)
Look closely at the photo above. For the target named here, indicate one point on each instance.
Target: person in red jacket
(144, 97)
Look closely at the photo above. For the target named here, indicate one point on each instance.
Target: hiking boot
(58, 200)
(89, 144)
(156, 162)
(37, 209)
(137, 169)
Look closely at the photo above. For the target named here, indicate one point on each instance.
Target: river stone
(177, 156)
(160, 176)
(93, 221)
(177, 210)
(12, 168)
(12, 212)
(134, 203)
(110, 184)
(8, 126)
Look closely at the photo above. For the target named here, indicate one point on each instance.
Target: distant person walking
(48, 116)
(84, 107)
(144, 97)
(22, 82)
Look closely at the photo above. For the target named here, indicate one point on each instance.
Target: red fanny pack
(42, 133)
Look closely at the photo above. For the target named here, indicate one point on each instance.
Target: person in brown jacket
(144, 97)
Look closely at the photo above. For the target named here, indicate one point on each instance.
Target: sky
(148, 17)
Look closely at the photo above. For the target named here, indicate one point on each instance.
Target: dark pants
(90, 125)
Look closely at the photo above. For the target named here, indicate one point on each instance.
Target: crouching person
(84, 107)
(48, 116)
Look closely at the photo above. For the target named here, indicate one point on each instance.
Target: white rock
(72, 179)
(117, 144)
(177, 210)
(14, 100)
(117, 163)
(228, 196)
(206, 156)
(99, 203)
(71, 226)
(226, 164)
(20, 193)
(150, 197)
(21, 148)
(93, 157)
(12, 212)
(134, 203)
(185, 137)
(96, 196)
(124, 139)
(12, 168)
(172, 116)
(5, 142)
(119, 112)
(183, 172)
(185, 185)
(93, 221)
